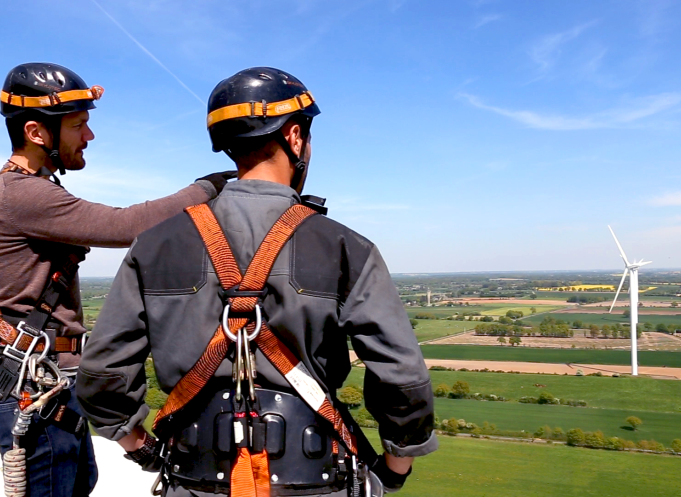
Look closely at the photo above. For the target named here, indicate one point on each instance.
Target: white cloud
(547, 50)
(666, 199)
(625, 115)
(486, 20)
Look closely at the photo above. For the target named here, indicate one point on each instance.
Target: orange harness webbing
(9, 334)
(272, 347)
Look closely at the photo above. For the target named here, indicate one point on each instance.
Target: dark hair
(247, 152)
(15, 126)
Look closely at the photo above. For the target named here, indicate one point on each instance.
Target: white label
(238, 432)
(306, 386)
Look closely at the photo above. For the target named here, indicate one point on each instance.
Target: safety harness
(243, 322)
(26, 351)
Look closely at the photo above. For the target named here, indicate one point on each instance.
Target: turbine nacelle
(628, 268)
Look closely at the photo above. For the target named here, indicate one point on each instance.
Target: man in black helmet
(44, 234)
(246, 305)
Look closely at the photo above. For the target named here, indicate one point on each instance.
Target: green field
(608, 296)
(641, 394)
(605, 318)
(499, 308)
(483, 468)
(526, 354)
(91, 309)
(430, 329)
(661, 426)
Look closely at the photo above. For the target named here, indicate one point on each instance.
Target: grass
(661, 426)
(430, 329)
(641, 394)
(526, 354)
(491, 309)
(484, 468)
(609, 319)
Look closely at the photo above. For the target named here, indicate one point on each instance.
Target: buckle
(12, 351)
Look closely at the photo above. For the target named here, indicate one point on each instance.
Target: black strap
(59, 282)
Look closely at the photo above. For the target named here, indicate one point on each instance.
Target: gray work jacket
(328, 284)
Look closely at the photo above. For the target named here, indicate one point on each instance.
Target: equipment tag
(306, 386)
(238, 432)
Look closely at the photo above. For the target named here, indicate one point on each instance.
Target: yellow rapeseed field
(584, 288)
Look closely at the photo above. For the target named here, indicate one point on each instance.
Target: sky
(461, 135)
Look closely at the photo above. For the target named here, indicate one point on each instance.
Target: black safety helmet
(255, 102)
(50, 89)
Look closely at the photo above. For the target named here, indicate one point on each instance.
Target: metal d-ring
(232, 336)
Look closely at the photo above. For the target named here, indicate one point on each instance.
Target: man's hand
(219, 180)
(392, 471)
(143, 449)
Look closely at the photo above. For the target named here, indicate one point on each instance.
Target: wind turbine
(632, 269)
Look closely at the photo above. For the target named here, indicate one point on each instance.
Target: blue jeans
(59, 463)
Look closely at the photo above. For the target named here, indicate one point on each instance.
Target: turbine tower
(632, 269)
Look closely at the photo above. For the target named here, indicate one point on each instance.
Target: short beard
(72, 161)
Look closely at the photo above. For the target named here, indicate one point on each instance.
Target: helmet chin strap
(53, 153)
(299, 165)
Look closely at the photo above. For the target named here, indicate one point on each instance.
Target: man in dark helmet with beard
(246, 304)
(44, 235)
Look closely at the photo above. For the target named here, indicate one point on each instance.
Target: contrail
(144, 49)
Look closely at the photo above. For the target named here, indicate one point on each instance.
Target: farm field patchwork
(581, 340)
(605, 318)
(599, 392)
(526, 354)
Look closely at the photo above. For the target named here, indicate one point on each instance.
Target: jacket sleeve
(40, 209)
(111, 383)
(397, 388)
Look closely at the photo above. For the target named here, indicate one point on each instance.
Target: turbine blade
(644, 263)
(624, 275)
(619, 246)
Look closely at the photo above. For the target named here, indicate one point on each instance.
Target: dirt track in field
(535, 367)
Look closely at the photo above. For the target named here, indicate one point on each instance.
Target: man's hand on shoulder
(219, 180)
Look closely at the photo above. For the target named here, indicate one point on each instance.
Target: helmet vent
(41, 76)
(264, 76)
(59, 78)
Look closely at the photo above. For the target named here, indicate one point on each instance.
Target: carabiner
(258, 323)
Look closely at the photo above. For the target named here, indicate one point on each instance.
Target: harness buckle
(232, 336)
(13, 352)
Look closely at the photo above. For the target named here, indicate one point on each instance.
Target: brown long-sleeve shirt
(38, 222)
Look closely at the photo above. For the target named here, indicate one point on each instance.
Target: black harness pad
(299, 449)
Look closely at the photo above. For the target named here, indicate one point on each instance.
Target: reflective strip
(93, 93)
(255, 109)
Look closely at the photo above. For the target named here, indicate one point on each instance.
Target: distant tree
(605, 331)
(661, 327)
(634, 422)
(577, 324)
(575, 437)
(501, 340)
(594, 331)
(533, 310)
(505, 320)
(414, 323)
(647, 326)
(460, 389)
(675, 304)
(627, 313)
(514, 340)
(676, 445)
(533, 296)
(442, 390)
(514, 314)
(351, 396)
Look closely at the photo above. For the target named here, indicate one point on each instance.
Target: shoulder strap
(229, 276)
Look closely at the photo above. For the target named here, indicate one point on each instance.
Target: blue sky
(458, 136)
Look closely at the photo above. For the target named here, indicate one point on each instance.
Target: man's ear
(294, 136)
(36, 133)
